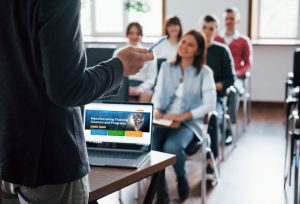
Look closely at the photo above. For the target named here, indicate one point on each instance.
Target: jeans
(76, 192)
(173, 141)
(213, 126)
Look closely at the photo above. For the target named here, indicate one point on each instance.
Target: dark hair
(211, 18)
(173, 21)
(138, 27)
(235, 11)
(200, 57)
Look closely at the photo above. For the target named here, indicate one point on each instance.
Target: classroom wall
(271, 62)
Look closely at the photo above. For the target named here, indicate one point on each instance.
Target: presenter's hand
(133, 59)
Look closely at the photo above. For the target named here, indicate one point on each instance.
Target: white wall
(190, 11)
(271, 63)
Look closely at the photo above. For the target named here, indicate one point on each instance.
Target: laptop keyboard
(112, 154)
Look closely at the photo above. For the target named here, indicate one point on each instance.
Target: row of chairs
(292, 129)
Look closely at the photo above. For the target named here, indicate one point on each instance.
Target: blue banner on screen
(117, 120)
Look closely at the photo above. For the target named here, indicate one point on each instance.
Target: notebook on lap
(118, 134)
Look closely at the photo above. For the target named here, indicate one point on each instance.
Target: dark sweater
(42, 81)
(220, 60)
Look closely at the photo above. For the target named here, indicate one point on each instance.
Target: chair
(96, 53)
(292, 154)
(296, 68)
(246, 98)
(204, 148)
(159, 62)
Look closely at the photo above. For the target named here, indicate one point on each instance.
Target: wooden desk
(106, 180)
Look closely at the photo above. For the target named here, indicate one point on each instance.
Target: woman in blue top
(185, 93)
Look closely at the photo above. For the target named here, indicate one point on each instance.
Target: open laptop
(118, 134)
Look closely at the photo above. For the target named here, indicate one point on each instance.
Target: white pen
(157, 43)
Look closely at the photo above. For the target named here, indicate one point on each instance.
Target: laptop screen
(129, 123)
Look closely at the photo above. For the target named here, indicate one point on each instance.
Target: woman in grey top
(184, 93)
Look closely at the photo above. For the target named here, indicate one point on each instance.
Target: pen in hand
(157, 43)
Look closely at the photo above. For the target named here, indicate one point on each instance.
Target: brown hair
(200, 57)
(173, 21)
(138, 27)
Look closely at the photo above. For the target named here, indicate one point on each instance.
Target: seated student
(185, 92)
(140, 84)
(239, 45)
(220, 60)
(168, 48)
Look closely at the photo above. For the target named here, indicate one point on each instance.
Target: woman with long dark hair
(185, 92)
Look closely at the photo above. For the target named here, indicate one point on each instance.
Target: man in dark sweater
(43, 81)
(220, 60)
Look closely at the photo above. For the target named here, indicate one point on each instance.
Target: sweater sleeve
(208, 97)
(227, 69)
(67, 81)
(247, 57)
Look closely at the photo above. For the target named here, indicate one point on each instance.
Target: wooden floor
(251, 174)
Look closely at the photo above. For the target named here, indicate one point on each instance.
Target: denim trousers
(173, 141)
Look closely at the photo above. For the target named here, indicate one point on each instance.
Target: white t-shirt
(175, 106)
(166, 50)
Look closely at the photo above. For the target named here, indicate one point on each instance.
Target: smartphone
(157, 43)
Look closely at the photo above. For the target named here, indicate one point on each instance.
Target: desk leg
(161, 188)
(157, 185)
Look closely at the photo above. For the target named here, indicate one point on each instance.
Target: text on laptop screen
(118, 123)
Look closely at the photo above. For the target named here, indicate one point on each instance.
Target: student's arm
(228, 71)
(208, 97)
(151, 73)
(247, 55)
(67, 82)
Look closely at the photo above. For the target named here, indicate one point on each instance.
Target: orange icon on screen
(133, 133)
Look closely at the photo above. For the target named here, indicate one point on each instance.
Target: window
(109, 18)
(278, 19)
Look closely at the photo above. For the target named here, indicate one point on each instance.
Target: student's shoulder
(206, 70)
(167, 66)
(245, 38)
(221, 47)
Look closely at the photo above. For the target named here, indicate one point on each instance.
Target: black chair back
(95, 54)
(159, 62)
(296, 68)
